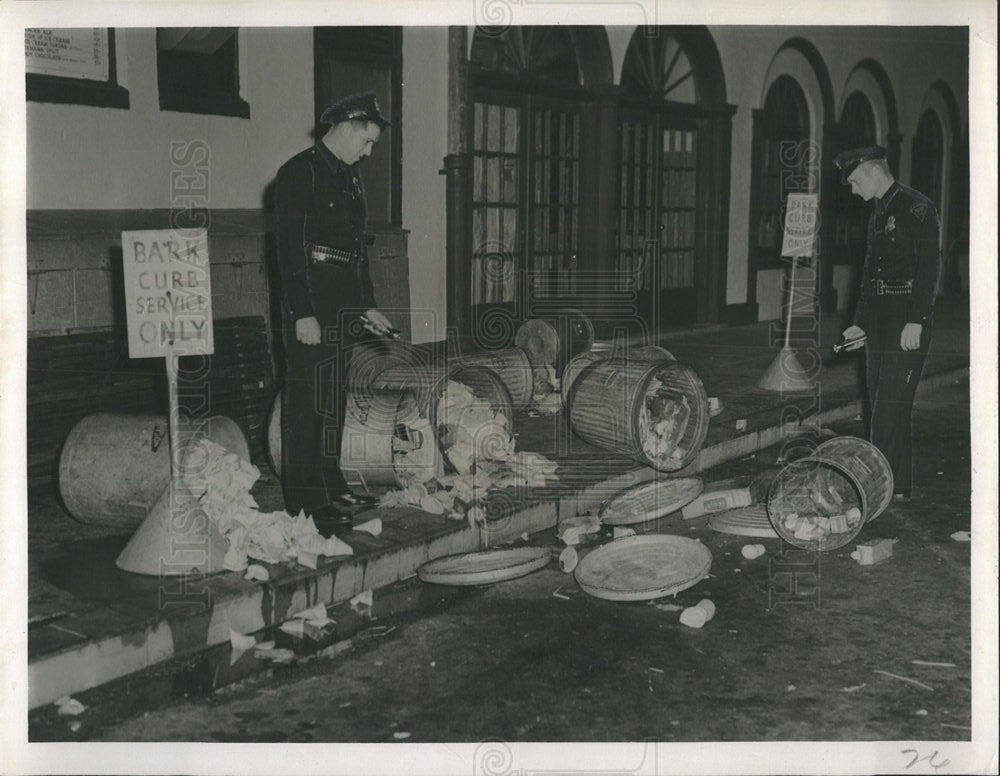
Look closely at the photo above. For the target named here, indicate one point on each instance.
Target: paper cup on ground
(696, 616)
(568, 560)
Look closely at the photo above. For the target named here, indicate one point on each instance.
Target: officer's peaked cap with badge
(848, 161)
(357, 107)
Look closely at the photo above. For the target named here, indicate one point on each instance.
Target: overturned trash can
(821, 502)
(114, 467)
(581, 360)
(555, 339)
(513, 366)
(653, 411)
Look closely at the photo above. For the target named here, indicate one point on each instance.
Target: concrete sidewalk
(91, 624)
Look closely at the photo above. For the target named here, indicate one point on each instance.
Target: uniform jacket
(321, 213)
(903, 245)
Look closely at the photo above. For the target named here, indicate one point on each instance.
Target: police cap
(847, 161)
(357, 107)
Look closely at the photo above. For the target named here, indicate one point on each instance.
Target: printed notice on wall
(801, 225)
(79, 52)
(168, 299)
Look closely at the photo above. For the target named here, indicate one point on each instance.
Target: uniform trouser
(312, 418)
(892, 377)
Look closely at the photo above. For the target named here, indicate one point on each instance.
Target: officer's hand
(307, 331)
(910, 338)
(853, 333)
(378, 319)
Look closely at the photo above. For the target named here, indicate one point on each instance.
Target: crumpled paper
(663, 419)
(221, 482)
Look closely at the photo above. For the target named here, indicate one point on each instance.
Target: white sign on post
(168, 299)
(801, 225)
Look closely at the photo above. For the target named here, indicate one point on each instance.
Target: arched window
(928, 157)
(658, 65)
(781, 155)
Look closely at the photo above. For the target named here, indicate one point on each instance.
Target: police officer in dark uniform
(325, 288)
(895, 309)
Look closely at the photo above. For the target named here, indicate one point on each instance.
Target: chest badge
(890, 225)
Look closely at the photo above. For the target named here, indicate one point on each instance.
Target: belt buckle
(880, 287)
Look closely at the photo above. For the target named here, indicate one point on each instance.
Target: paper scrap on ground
(854, 688)
(240, 641)
(275, 655)
(753, 551)
(373, 526)
(221, 483)
(962, 536)
(68, 706)
(312, 613)
(361, 600)
(696, 616)
(568, 560)
(257, 573)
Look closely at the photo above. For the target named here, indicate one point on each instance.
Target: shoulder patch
(919, 210)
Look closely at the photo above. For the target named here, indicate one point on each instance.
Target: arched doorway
(927, 167)
(673, 136)
(528, 148)
(856, 128)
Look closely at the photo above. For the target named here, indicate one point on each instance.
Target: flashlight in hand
(378, 329)
(850, 344)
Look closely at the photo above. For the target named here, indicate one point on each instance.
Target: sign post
(786, 373)
(168, 306)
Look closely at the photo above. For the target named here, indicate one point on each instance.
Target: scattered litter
(959, 727)
(854, 688)
(663, 421)
(293, 627)
(257, 573)
(667, 607)
(715, 406)
(557, 594)
(525, 537)
(400, 735)
(873, 552)
(737, 571)
(221, 485)
(308, 559)
(656, 670)
(696, 616)
(69, 707)
(433, 663)
(905, 679)
(275, 655)
(790, 688)
(573, 530)
(621, 531)
(317, 612)
(753, 551)
(241, 642)
(568, 560)
(470, 429)
(741, 424)
(74, 725)
(373, 526)
(362, 601)
(932, 664)
(921, 712)
(962, 536)
(335, 649)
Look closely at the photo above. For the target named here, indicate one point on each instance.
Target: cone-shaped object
(175, 538)
(786, 374)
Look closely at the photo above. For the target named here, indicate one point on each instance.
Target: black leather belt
(891, 287)
(322, 254)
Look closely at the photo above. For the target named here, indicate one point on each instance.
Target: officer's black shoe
(353, 500)
(332, 520)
